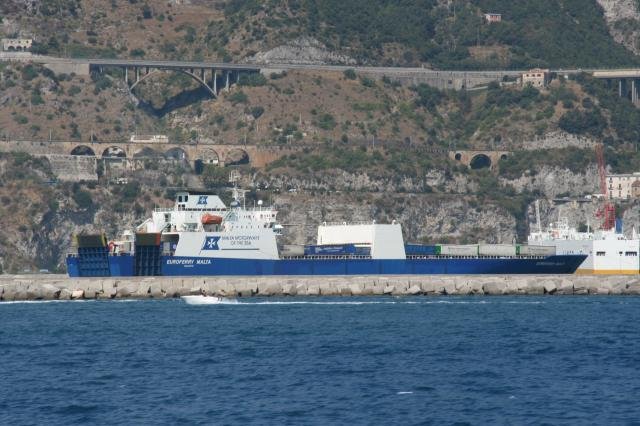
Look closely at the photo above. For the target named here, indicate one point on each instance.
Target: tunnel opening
(114, 152)
(83, 150)
(480, 161)
(176, 154)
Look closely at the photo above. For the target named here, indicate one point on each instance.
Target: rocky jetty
(59, 287)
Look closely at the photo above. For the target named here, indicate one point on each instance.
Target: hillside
(312, 108)
(366, 148)
(434, 33)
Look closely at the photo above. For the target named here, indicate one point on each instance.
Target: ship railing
(411, 257)
(260, 209)
(370, 222)
(450, 256)
(328, 257)
(110, 254)
(173, 209)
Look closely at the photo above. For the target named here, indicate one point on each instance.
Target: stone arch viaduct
(221, 154)
(479, 159)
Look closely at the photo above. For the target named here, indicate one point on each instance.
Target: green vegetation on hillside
(453, 34)
(393, 162)
(553, 33)
(625, 117)
(530, 162)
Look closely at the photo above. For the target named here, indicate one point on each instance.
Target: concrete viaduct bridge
(214, 77)
(626, 82)
(254, 155)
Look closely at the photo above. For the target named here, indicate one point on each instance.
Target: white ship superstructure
(608, 251)
(201, 224)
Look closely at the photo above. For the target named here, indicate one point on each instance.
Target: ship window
(631, 253)
(600, 253)
(179, 198)
(186, 198)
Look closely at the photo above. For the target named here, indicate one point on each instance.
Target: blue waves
(414, 360)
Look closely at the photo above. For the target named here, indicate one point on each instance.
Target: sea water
(502, 360)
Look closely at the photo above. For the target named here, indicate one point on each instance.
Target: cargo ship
(201, 236)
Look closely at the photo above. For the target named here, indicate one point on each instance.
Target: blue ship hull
(198, 266)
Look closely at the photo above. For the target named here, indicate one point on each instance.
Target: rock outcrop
(303, 50)
(623, 19)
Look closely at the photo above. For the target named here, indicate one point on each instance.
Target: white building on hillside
(623, 186)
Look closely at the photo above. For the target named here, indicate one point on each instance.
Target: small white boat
(200, 299)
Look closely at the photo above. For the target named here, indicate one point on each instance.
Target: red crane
(608, 210)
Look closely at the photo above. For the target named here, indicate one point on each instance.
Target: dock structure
(61, 287)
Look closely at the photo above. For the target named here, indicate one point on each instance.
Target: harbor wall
(60, 287)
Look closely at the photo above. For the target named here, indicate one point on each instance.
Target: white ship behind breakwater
(608, 251)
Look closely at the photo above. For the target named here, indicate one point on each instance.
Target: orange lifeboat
(211, 219)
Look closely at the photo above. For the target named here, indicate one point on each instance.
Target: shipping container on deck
(458, 250)
(421, 250)
(336, 250)
(497, 250)
(527, 250)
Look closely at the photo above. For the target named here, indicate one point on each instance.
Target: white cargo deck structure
(385, 240)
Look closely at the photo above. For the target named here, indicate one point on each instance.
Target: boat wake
(208, 300)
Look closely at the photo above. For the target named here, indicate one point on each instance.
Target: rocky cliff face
(552, 182)
(303, 50)
(553, 140)
(424, 218)
(623, 19)
(549, 182)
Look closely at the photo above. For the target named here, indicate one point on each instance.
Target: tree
(83, 198)
(428, 97)
(588, 122)
(350, 74)
(214, 176)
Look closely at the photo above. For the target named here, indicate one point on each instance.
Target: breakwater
(61, 287)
